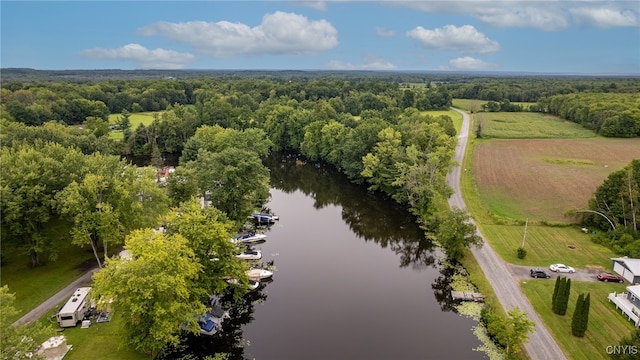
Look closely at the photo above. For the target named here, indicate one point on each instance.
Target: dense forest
(71, 179)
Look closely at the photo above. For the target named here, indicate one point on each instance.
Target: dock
(467, 296)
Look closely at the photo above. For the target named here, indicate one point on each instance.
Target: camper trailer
(75, 309)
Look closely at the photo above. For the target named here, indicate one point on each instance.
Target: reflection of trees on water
(442, 288)
(369, 215)
(230, 340)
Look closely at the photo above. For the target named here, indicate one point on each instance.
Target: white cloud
(605, 17)
(382, 32)
(370, 63)
(468, 63)
(449, 37)
(318, 5)
(546, 15)
(279, 33)
(143, 57)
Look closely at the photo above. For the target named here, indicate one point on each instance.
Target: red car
(604, 276)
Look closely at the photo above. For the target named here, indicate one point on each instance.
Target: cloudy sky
(558, 36)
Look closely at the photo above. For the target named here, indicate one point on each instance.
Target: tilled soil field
(543, 178)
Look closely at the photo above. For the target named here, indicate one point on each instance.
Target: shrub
(522, 252)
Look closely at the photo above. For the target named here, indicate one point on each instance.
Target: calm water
(354, 279)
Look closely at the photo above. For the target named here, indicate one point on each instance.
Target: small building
(628, 268)
(628, 303)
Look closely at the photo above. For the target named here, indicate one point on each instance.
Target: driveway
(522, 273)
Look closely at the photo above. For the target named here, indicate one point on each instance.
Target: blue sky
(558, 36)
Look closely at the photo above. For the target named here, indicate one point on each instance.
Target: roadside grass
(606, 324)
(99, 341)
(454, 115)
(527, 125)
(548, 245)
(32, 286)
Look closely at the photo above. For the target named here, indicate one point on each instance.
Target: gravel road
(541, 344)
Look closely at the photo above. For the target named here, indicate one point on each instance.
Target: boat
(259, 274)
(250, 255)
(263, 217)
(209, 324)
(250, 238)
(252, 284)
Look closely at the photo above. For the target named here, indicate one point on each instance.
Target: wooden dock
(467, 296)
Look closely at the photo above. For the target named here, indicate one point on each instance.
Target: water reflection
(370, 216)
(356, 279)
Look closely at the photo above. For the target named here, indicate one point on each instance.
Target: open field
(541, 179)
(606, 324)
(527, 125)
(144, 118)
(32, 286)
(476, 105)
(547, 245)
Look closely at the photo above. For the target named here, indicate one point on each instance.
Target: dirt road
(541, 344)
(56, 299)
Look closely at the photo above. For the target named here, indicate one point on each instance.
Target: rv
(75, 309)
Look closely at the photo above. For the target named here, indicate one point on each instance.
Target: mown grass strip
(548, 245)
(606, 324)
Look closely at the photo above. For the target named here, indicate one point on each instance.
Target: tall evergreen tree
(563, 298)
(556, 290)
(577, 322)
(580, 320)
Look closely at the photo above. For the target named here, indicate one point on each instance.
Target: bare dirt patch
(519, 171)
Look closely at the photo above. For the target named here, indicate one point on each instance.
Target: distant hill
(30, 75)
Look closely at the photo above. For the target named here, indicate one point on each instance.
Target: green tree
(235, 179)
(562, 298)
(18, 341)
(208, 231)
(630, 342)
(37, 173)
(516, 331)
(153, 291)
(455, 233)
(580, 320)
(557, 290)
(113, 199)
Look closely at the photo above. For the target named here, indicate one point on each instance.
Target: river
(354, 278)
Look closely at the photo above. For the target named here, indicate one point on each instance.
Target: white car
(561, 268)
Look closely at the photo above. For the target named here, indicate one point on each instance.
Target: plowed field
(540, 179)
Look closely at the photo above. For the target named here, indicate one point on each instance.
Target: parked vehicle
(75, 309)
(561, 268)
(606, 277)
(539, 273)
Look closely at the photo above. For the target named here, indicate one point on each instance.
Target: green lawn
(34, 285)
(526, 125)
(547, 245)
(144, 118)
(468, 104)
(100, 341)
(606, 324)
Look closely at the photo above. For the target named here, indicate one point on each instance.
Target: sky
(551, 36)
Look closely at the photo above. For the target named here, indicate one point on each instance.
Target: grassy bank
(606, 324)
